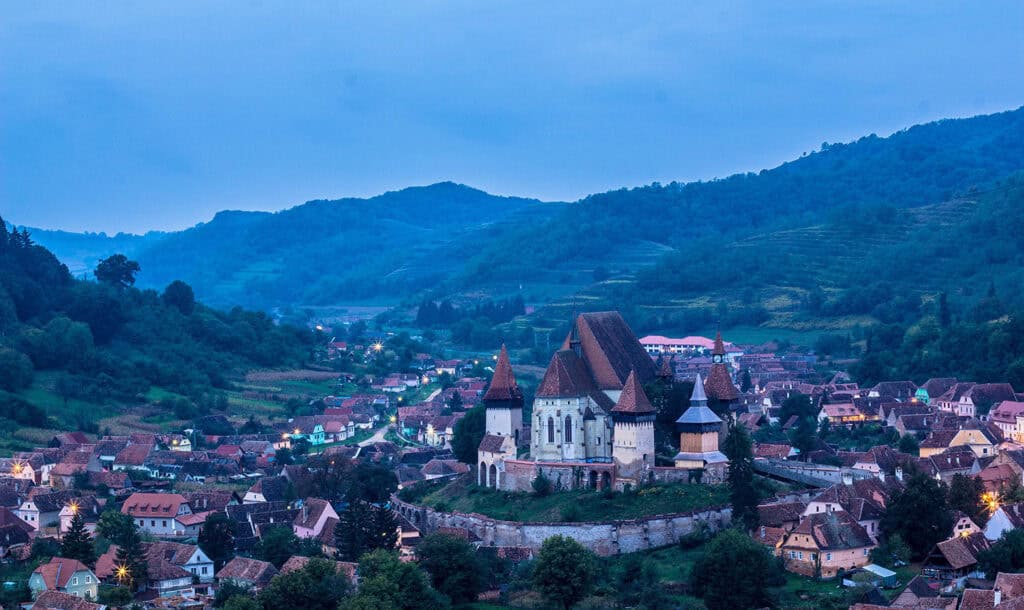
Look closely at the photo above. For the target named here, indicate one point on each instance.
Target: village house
(88, 506)
(313, 517)
(1004, 518)
(963, 525)
(42, 508)
(248, 573)
(980, 440)
(163, 514)
(954, 560)
(864, 500)
(1008, 415)
(825, 543)
(65, 575)
(56, 600)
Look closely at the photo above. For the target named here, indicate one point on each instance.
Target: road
(378, 436)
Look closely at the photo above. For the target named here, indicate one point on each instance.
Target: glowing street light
(73, 507)
(378, 346)
(991, 501)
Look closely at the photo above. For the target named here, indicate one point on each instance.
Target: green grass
(577, 505)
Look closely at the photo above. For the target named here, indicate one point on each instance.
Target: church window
(568, 429)
(551, 430)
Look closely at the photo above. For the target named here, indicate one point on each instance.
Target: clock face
(717, 358)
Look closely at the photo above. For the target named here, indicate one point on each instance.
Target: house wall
(82, 584)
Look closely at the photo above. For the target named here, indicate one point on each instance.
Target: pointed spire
(719, 345)
(698, 398)
(633, 400)
(503, 383)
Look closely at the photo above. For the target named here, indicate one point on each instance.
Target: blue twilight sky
(154, 115)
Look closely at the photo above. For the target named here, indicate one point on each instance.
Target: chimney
(997, 596)
(899, 473)
(847, 478)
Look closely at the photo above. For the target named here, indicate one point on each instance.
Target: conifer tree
(77, 543)
(741, 476)
(132, 569)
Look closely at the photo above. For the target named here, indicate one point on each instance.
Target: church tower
(719, 385)
(504, 401)
(633, 434)
(699, 429)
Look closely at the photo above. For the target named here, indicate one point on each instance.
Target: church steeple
(719, 385)
(667, 371)
(504, 400)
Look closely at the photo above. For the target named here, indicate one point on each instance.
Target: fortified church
(592, 425)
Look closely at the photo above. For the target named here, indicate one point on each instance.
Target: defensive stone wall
(603, 538)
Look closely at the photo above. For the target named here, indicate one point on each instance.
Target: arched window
(551, 429)
(568, 429)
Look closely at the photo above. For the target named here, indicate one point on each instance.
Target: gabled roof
(58, 600)
(776, 515)
(567, 376)
(610, 349)
(835, 530)
(633, 400)
(153, 505)
(503, 384)
(251, 570)
(58, 572)
(962, 551)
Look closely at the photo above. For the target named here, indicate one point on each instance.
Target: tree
(317, 586)
(919, 513)
(17, 368)
(277, 545)
(564, 572)
(732, 572)
(742, 493)
(217, 539)
(179, 295)
(387, 583)
(113, 596)
(117, 271)
(243, 602)
(1005, 554)
(908, 444)
(803, 437)
(132, 568)
(892, 553)
(745, 381)
(965, 495)
(362, 528)
(77, 543)
(115, 526)
(453, 566)
(468, 433)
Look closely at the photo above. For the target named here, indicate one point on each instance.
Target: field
(578, 505)
(260, 394)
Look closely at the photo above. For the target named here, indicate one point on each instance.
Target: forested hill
(325, 252)
(923, 165)
(806, 244)
(107, 341)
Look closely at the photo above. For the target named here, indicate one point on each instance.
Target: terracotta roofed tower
(719, 384)
(633, 435)
(504, 400)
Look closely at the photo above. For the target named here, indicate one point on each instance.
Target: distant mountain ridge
(746, 243)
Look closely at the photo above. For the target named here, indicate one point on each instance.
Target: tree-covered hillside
(108, 341)
(324, 252)
(824, 241)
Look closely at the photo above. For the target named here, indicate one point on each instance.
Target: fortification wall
(603, 538)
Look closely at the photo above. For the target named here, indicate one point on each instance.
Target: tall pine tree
(744, 498)
(77, 543)
(363, 527)
(132, 570)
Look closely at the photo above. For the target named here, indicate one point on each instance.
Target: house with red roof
(66, 576)
(163, 514)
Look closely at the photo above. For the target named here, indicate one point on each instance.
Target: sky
(136, 116)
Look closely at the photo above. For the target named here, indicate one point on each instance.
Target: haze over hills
(772, 248)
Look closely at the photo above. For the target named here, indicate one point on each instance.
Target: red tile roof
(153, 505)
(633, 400)
(503, 383)
(610, 349)
(58, 572)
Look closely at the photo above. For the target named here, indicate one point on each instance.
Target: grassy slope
(582, 505)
